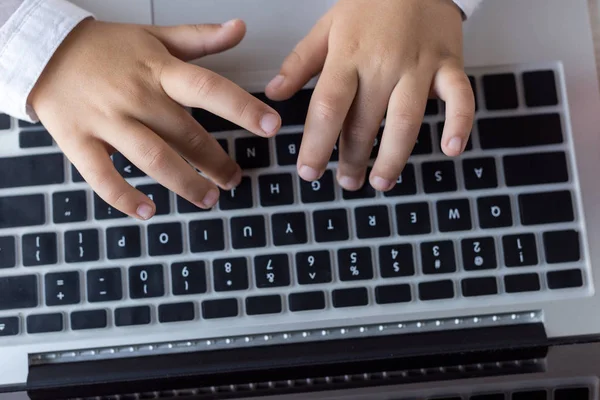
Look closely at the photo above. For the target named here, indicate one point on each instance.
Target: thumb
(189, 42)
(303, 64)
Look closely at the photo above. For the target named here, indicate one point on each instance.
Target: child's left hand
(378, 55)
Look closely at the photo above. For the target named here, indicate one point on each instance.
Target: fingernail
(455, 144)
(381, 184)
(276, 82)
(229, 23)
(237, 178)
(269, 123)
(349, 183)
(308, 174)
(211, 198)
(144, 211)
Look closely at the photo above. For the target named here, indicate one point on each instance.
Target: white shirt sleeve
(467, 6)
(28, 39)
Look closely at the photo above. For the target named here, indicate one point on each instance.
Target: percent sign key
(359, 265)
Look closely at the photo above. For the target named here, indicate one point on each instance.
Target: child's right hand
(114, 87)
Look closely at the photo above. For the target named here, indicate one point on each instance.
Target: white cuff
(467, 6)
(27, 42)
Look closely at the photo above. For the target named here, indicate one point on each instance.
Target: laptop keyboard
(497, 226)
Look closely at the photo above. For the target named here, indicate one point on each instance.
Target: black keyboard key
(396, 261)
(289, 229)
(252, 152)
(571, 278)
(272, 271)
(237, 198)
(165, 239)
(126, 168)
(39, 249)
(91, 319)
(355, 264)
(424, 144)
(580, 393)
(82, 246)
(212, 122)
(146, 281)
(436, 290)
(318, 191)
(276, 190)
(365, 192)
(480, 173)
(159, 195)
(391, 294)
(475, 287)
(413, 219)
(18, 292)
(185, 207)
(104, 285)
(123, 242)
(313, 267)
(489, 396)
(248, 232)
(520, 131)
(335, 154)
(535, 169)
(62, 288)
(530, 395)
(176, 312)
(294, 110)
(44, 323)
(4, 122)
(479, 254)
(440, 133)
(230, 274)
(474, 87)
(104, 211)
(207, 235)
(406, 184)
(26, 124)
(439, 177)
(306, 301)
(34, 170)
(69, 206)
(75, 175)
(33, 139)
(500, 91)
(224, 145)
(188, 277)
(454, 215)
(372, 222)
(540, 88)
(331, 225)
(354, 297)
(522, 283)
(520, 250)
(261, 305)
(222, 308)
(438, 257)
(26, 210)
(494, 212)
(131, 316)
(562, 246)
(9, 326)
(287, 147)
(8, 252)
(546, 208)
(432, 107)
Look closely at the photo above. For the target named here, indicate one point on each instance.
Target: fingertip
(270, 123)
(145, 210)
(454, 147)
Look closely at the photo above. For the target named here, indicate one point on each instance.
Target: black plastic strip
(293, 361)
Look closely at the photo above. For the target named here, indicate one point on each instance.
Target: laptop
(495, 249)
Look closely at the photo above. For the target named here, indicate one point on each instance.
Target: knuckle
(204, 83)
(156, 158)
(293, 59)
(325, 110)
(245, 109)
(195, 142)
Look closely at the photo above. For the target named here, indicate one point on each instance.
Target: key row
(296, 302)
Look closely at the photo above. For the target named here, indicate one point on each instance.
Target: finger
(158, 160)
(360, 130)
(302, 64)
(179, 129)
(402, 126)
(93, 162)
(198, 87)
(189, 42)
(453, 87)
(330, 103)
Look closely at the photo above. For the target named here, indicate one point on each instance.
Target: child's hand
(378, 55)
(122, 87)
